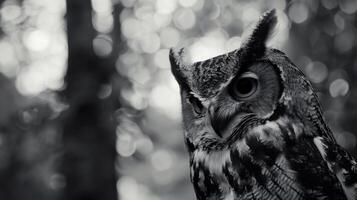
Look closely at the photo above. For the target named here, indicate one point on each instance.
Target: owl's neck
(229, 173)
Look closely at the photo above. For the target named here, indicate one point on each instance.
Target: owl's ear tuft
(179, 67)
(255, 45)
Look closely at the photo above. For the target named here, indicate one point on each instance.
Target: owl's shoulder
(294, 142)
(340, 163)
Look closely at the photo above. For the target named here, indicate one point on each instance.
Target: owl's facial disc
(254, 91)
(243, 88)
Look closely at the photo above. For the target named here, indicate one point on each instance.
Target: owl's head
(225, 95)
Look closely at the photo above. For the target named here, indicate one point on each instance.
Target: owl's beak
(220, 122)
(224, 125)
(219, 125)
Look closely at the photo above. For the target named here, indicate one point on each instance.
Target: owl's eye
(245, 86)
(196, 104)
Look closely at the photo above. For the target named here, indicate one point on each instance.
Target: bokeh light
(187, 3)
(169, 37)
(316, 71)
(161, 59)
(10, 12)
(172, 99)
(184, 19)
(102, 45)
(319, 37)
(329, 4)
(344, 41)
(298, 12)
(125, 145)
(9, 65)
(37, 40)
(150, 43)
(166, 7)
(348, 6)
(161, 160)
(339, 87)
(103, 23)
(212, 44)
(42, 67)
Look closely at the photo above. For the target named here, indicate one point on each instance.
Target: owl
(254, 129)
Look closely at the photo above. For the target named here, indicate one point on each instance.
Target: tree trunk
(88, 126)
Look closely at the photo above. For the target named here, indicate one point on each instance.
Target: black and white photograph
(178, 100)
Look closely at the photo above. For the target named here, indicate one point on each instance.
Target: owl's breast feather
(251, 161)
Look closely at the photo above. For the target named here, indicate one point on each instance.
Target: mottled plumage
(254, 129)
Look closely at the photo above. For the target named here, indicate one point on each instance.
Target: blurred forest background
(89, 109)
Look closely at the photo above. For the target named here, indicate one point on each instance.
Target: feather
(254, 47)
(341, 163)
